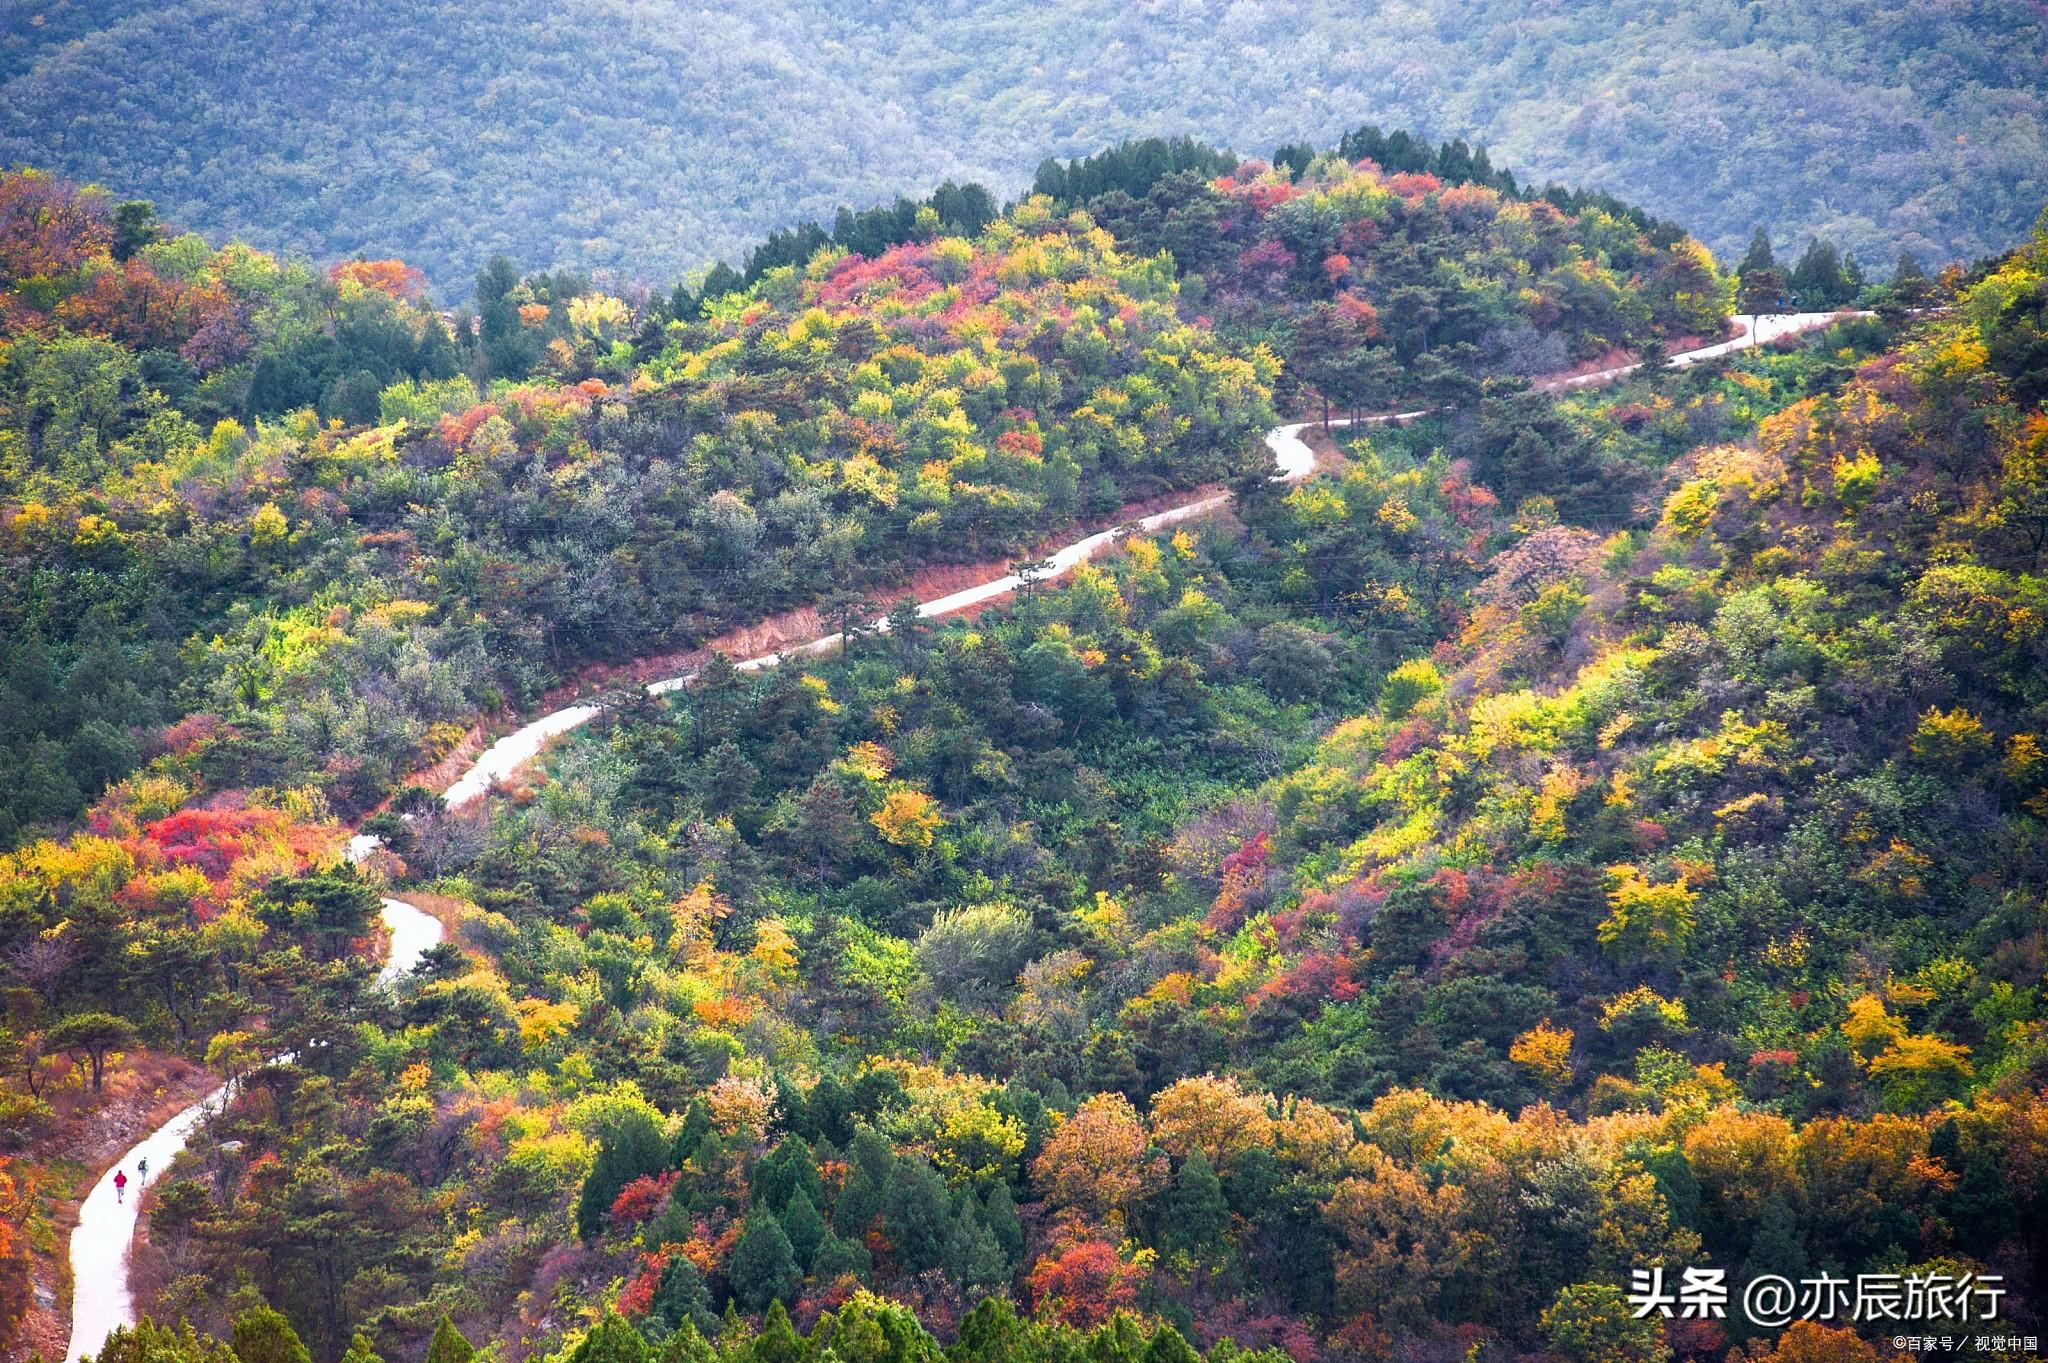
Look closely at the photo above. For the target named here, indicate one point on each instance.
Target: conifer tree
(262, 1335)
(1758, 257)
(1168, 1346)
(992, 1333)
(778, 1341)
(1198, 1215)
(681, 1300)
(612, 1340)
(831, 1110)
(1776, 1245)
(914, 1212)
(860, 1201)
(1818, 281)
(839, 1257)
(805, 1228)
(792, 1112)
(630, 1147)
(687, 1345)
(763, 1267)
(1000, 1213)
(972, 1258)
(788, 1169)
(448, 1345)
(1910, 284)
(696, 1122)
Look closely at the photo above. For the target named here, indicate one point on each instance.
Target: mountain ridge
(608, 137)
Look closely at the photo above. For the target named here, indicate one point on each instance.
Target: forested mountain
(236, 483)
(1557, 834)
(650, 139)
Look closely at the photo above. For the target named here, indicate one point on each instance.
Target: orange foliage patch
(393, 277)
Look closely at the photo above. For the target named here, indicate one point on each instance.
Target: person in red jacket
(120, 1186)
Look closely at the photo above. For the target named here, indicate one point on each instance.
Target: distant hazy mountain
(655, 135)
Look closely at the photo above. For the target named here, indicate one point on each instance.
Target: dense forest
(444, 528)
(446, 132)
(1572, 830)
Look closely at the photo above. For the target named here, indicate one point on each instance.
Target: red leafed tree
(1244, 874)
(1086, 1284)
(210, 839)
(457, 428)
(636, 1299)
(642, 1198)
(139, 308)
(1316, 978)
(1027, 443)
(1358, 313)
(213, 840)
(48, 228)
(1414, 186)
(1266, 267)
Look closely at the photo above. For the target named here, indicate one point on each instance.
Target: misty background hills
(650, 137)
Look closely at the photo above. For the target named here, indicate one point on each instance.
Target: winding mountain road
(101, 1300)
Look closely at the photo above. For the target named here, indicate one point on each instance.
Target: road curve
(100, 1298)
(106, 1227)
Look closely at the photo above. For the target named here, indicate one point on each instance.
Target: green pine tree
(992, 1333)
(612, 1340)
(831, 1110)
(1117, 1340)
(877, 1330)
(681, 1300)
(1776, 1245)
(791, 1111)
(805, 1228)
(839, 1257)
(1677, 1185)
(1197, 1213)
(788, 1169)
(1818, 281)
(778, 1341)
(915, 1214)
(262, 1335)
(708, 1193)
(763, 1267)
(148, 1342)
(696, 1122)
(860, 1201)
(687, 1345)
(1759, 255)
(1910, 285)
(1167, 1346)
(135, 226)
(448, 1345)
(722, 280)
(972, 1258)
(1000, 1214)
(630, 1147)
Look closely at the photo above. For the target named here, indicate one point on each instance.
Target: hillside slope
(657, 136)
